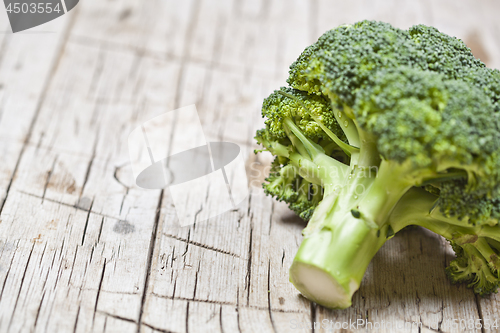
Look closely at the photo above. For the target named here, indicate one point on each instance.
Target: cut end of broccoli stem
(333, 257)
(319, 286)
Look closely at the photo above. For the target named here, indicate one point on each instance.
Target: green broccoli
(382, 128)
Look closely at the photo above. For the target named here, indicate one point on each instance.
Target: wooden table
(83, 249)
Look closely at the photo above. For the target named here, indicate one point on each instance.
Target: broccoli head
(381, 128)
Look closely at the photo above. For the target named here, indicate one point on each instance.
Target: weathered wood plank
(26, 62)
(72, 194)
(83, 249)
(241, 242)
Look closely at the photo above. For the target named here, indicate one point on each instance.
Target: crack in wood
(100, 230)
(38, 310)
(76, 319)
(187, 317)
(8, 271)
(105, 323)
(172, 260)
(249, 265)
(20, 287)
(152, 243)
(72, 266)
(157, 329)
(99, 290)
(89, 167)
(87, 221)
(269, 295)
(313, 316)
(207, 301)
(107, 314)
(207, 247)
(71, 206)
(196, 279)
(237, 307)
(480, 312)
(201, 208)
(271, 218)
(54, 258)
(175, 286)
(43, 253)
(59, 270)
(187, 246)
(45, 280)
(220, 320)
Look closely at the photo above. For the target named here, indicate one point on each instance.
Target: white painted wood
(83, 249)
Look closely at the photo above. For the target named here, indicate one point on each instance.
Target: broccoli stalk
(349, 226)
(338, 245)
(476, 247)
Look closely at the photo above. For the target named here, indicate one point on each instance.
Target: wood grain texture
(83, 249)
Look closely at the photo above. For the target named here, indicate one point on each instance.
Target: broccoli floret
(450, 56)
(403, 107)
(308, 112)
(455, 200)
(375, 115)
(301, 132)
(345, 57)
(309, 197)
(282, 184)
(471, 267)
(444, 54)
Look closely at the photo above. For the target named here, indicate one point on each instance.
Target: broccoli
(379, 129)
